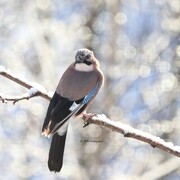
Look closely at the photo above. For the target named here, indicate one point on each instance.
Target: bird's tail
(56, 152)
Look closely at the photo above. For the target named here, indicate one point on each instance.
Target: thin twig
(15, 99)
(130, 132)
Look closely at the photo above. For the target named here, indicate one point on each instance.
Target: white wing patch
(62, 130)
(74, 106)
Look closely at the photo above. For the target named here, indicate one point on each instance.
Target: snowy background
(138, 46)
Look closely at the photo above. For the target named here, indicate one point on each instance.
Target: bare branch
(40, 91)
(128, 131)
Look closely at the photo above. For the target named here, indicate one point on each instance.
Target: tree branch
(37, 89)
(32, 93)
(130, 132)
(102, 120)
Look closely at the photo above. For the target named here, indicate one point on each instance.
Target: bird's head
(85, 60)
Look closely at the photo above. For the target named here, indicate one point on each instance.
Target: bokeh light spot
(120, 18)
(168, 82)
(144, 71)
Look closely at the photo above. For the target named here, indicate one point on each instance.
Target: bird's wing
(82, 105)
(58, 109)
(52, 104)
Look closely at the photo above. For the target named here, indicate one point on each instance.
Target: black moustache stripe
(87, 62)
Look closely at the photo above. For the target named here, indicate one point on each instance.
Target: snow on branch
(131, 132)
(101, 120)
(33, 92)
(34, 88)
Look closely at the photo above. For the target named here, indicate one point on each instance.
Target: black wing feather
(58, 110)
(52, 104)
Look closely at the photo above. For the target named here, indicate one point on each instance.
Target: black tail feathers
(56, 152)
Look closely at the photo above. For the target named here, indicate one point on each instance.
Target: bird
(76, 90)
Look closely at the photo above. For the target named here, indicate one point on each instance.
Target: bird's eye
(88, 56)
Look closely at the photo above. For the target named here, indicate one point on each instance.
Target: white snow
(136, 132)
(50, 93)
(38, 86)
(32, 91)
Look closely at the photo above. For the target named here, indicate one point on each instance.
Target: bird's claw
(86, 117)
(85, 124)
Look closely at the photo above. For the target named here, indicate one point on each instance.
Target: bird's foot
(86, 118)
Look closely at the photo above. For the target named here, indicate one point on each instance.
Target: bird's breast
(74, 85)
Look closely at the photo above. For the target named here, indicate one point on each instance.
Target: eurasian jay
(77, 87)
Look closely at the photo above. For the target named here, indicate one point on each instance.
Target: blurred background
(138, 45)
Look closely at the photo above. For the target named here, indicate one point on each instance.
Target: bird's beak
(83, 58)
